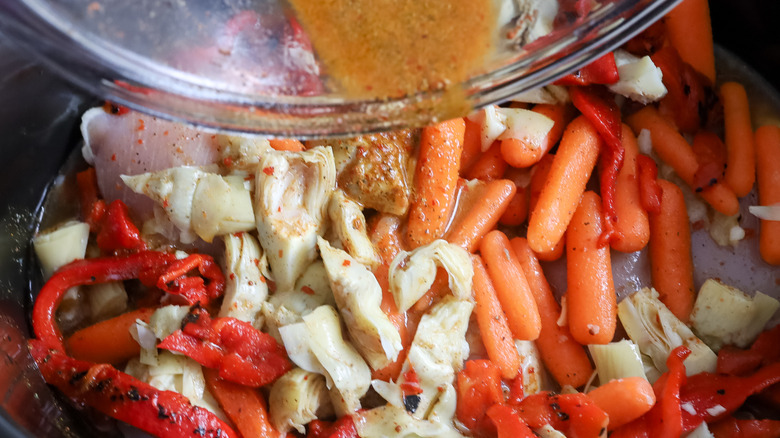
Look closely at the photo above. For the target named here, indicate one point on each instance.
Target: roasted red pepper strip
(707, 391)
(478, 388)
(411, 383)
(241, 353)
(344, 427)
(733, 428)
(117, 231)
(736, 362)
(649, 190)
(711, 157)
(121, 396)
(599, 107)
(688, 91)
(574, 415)
(92, 207)
(601, 71)
(508, 423)
(175, 281)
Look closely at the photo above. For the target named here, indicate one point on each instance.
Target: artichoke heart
(291, 200)
(350, 226)
(297, 398)
(245, 287)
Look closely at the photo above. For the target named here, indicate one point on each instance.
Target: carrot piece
(563, 357)
(439, 289)
(482, 216)
(399, 321)
(741, 168)
(472, 146)
(517, 210)
(492, 323)
(436, 178)
(538, 180)
(690, 32)
(489, 166)
(624, 400)
(108, 341)
(245, 406)
(518, 153)
(672, 148)
(632, 228)
(670, 252)
(384, 231)
(512, 288)
(768, 175)
(286, 144)
(571, 168)
(591, 294)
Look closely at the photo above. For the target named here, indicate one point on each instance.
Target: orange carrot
(482, 216)
(472, 146)
(632, 229)
(670, 252)
(245, 406)
(286, 144)
(439, 288)
(512, 288)
(624, 400)
(672, 148)
(492, 323)
(518, 153)
(690, 31)
(489, 166)
(436, 179)
(384, 231)
(563, 357)
(399, 321)
(569, 173)
(517, 210)
(768, 173)
(741, 168)
(591, 295)
(108, 341)
(538, 180)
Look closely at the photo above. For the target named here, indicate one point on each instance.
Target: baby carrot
(632, 229)
(399, 321)
(563, 357)
(518, 153)
(493, 326)
(383, 230)
(672, 148)
(108, 341)
(624, 400)
(538, 180)
(569, 173)
(670, 252)
(517, 210)
(591, 295)
(286, 144)
(512, 288)
(768, 173)
(472, 145)
(436, 179)
(245, 406)
(690, 31)
(482, 216)
(741, 168)
(489, 166)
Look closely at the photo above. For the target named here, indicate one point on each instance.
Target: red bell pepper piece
(411, 383)
(601, 71)
(92, 207)
(508, 422)
(478, 388)
(574, 415)
(241, 353)
(711, 157)
(599, 107)
(689, 96)
(121, 396)
(516, 390)
(715, 396)
(344, 427)
(734, 361)
(649, 190)
(731, 427)
(193, 289)
(117, 232)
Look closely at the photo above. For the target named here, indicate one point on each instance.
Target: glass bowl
(229, 64)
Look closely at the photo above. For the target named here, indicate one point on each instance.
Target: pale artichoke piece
(724, 315)
(412, 273)
(317, 345)
(297, 398)
(275, 317)
(438, 349)
(166, 320)
(312, 290)
(61, 245)
(548, 431)
(617, 360)
(359, 296)
(221, 205)
(106, 300)
(241, 152)
(531, 367)
(245, 287)
(656, 331)
(292, 190)
(349, 224)
(640, 79)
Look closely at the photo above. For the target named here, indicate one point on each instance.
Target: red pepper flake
(256, 262)
(165, 133)
(113, 157)
(166, 203)
(307, 290)
(346, 263)
(279, 209)
(140, 141)
(232, 276)
(141, 125)
(268, 170)
(227, 161)
(248, 178)
(262, 279)
(411, 383)
(280, 253)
